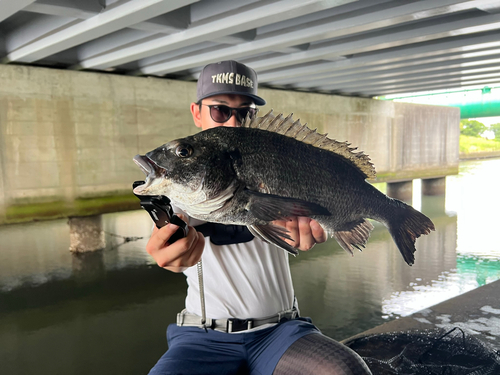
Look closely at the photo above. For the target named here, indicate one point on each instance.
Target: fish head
(188, 172)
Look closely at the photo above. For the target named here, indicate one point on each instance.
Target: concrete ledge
(58, 209)
(479, 155)
(477, 311)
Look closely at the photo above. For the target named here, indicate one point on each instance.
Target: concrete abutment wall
(67, 138)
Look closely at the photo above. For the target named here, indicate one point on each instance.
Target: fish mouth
(152, 171)
(146, 164)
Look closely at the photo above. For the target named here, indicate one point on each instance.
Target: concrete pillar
(86, 234)
(400, 190)
(434, 186)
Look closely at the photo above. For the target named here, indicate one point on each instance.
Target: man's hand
(305, 232)
(180, 255)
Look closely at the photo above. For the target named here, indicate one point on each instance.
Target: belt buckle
(180, 318)
(287, 315)
(238, 325)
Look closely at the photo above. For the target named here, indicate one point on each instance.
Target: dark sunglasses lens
(243, 112)
(220, 113)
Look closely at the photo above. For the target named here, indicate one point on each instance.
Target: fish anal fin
(275, 235)
(269, 207)
(353, 235)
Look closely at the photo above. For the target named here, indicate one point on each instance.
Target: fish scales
(292, 169)
(272, 168)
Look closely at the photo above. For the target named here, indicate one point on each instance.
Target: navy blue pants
(192, 350)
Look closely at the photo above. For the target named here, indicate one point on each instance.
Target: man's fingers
(306, 239)
(193, 252)
(160, 237)
(184, 252)
(318, 232)
(292, 226)
(197, 248)
(304, 231)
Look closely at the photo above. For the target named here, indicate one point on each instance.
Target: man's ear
(195, 111)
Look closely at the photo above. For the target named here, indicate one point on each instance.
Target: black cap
(228, 77)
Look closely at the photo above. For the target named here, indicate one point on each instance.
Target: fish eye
(184, 151)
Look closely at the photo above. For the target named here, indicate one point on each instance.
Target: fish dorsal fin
(286, 126)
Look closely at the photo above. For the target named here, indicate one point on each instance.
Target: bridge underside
(351, 47)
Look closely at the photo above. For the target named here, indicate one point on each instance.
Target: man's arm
(186, 252)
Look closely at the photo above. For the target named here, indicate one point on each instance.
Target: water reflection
(106, 312)
(35, 253)
(346, 295)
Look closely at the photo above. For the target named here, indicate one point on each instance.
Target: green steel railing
(482, 102)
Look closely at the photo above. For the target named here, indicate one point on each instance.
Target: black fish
(272, 168)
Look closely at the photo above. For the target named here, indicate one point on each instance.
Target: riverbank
(478, 148)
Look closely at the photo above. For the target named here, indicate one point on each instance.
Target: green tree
(495, 128)
(472, 128)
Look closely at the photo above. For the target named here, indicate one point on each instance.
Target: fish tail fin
(405, 226)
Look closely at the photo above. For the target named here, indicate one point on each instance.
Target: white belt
(185, 318)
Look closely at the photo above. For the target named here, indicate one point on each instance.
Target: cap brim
(256, 99)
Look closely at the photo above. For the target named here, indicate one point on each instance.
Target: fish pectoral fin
(353, 235)
(269, 207)
(273, 234)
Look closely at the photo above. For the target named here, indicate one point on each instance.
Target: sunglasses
(222, 113)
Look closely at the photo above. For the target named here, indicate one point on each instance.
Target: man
(252, 324)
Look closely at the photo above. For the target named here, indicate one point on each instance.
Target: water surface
(107, 312)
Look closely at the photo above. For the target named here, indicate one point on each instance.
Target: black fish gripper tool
(160, 210)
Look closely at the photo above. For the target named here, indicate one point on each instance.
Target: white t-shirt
(245, 280)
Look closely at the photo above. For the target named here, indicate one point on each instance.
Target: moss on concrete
(59, 209)
(408, 175)
(91, 206)
(28, 212)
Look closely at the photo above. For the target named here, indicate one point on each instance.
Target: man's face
(201, 114)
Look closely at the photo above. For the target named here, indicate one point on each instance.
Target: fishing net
(426, 352)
